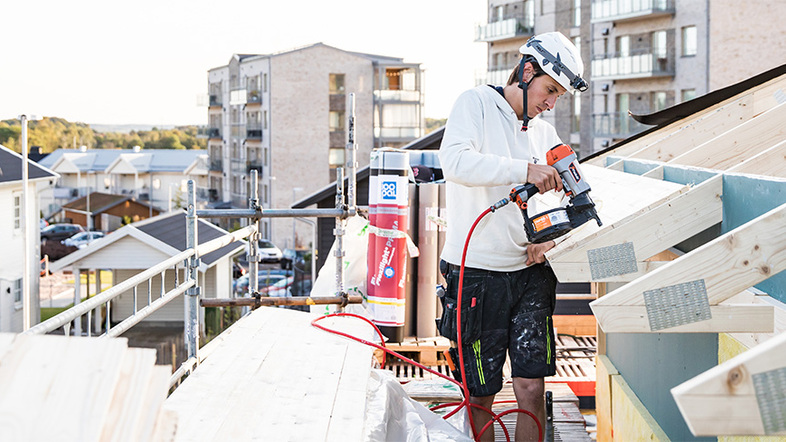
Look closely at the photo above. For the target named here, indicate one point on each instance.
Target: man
(492, 142)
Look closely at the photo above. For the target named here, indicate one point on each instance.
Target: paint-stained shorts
(502, 312)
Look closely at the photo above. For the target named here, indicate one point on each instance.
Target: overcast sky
(146, 62)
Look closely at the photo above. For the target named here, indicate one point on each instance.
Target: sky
(146, 61)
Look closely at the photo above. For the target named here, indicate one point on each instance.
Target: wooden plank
(650, 230)
(728, 264)
(722, 400)
(123, 413)
(769, 162)
(575, 324)
(604, 370)
(739, 142)
(707, 122)
(617, 195)
(693, 132)
(725, 318)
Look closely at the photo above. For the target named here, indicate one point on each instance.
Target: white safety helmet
(559, 58)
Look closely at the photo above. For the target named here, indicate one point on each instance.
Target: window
(577, 43)
(623, 46)
(336, 157)
(658, 101)
(17, 211)
(264, 156)
(264, 120)
(576, 113)
(689, 41)
(659, 44)
(576, 12)
(264, 82)
(336, 83)
(264, 194)
(688, 94)
(17, 291)
(336, 120)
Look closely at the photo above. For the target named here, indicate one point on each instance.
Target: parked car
(268, 252)
(264, 278)
(279, 289)
(60, 231)
(82, 239)
(42, 223)
(296, 258)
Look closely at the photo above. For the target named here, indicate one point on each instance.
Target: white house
(11, 237)
(141, 245)
(154, 176)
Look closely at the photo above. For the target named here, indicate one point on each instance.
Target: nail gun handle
(522, 193)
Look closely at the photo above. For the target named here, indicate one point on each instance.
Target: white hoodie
(484, 154)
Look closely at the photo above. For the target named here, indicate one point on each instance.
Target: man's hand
(544, 177)
(536, 253)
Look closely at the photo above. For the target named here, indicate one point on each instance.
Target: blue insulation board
(746, 198)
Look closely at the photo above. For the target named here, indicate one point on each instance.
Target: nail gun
(554, 223)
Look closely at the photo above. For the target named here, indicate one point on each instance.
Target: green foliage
(433, 124)
(53, 133)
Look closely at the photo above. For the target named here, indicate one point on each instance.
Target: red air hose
(465, 389)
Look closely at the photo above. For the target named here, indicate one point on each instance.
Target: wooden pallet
(427, 351)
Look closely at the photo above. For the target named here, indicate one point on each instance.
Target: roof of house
(100, 202)
(430, 141)
(11, 167)
(166, 233)
(99, 160)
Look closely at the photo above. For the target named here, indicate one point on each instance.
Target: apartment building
(285, 116)
(640, 56)
(510, 24)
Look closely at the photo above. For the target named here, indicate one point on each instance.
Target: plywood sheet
(277, 376)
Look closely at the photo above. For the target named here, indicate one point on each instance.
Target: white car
(268, 252)
(81, 240)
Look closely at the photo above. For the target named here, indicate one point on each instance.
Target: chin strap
(523, 86)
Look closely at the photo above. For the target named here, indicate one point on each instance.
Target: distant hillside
(53, 133)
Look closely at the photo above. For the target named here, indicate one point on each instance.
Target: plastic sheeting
(392, 415)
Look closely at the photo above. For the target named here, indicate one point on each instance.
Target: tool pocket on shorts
(471, 311)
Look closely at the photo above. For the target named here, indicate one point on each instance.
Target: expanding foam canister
(387, 272)
(428, 195)
(372, 214)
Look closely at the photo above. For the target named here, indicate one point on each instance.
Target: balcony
(644, 64)
(253, 96)
(209, 132)
(496, 77)
(397, 95)
(253, 131)
(506, 29)
(630, 10)
(616, 125)
(254, 165)
(215, 100)
(216, 165)
(397, 133)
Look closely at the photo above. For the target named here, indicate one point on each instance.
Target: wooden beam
(617, 195)
(727, 265)
(739, 143)
(724, 400)
(728, 318)
(650, 230)
(694, 129)
(769, 163)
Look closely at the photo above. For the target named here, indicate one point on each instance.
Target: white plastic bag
(355, 249)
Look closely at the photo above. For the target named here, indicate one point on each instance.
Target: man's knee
(528, 389)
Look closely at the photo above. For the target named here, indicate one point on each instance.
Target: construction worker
(493, 140)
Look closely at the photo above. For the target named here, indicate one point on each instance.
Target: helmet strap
(523, 86)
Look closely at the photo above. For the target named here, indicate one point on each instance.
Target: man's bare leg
(480, 417)
(530, 397)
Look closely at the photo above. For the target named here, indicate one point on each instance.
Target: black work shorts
(502, 312)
